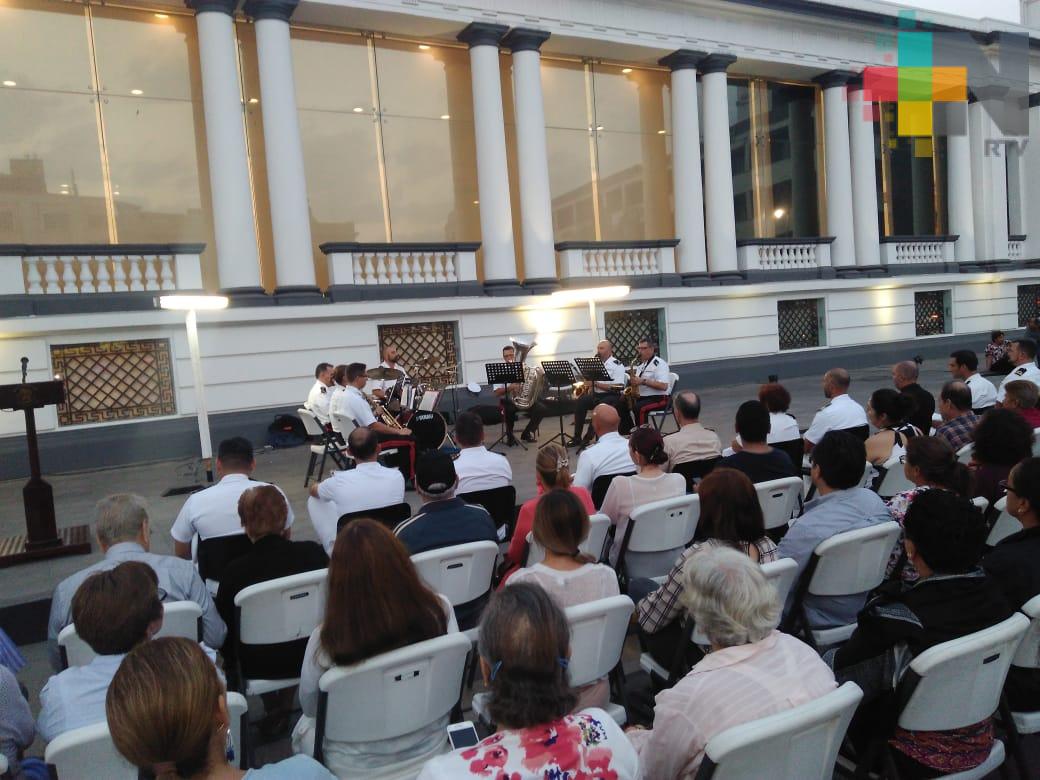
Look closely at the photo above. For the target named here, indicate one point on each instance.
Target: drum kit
(413, 405)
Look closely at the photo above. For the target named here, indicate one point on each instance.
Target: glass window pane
(570, 182)
(635, 186)
(739, 93)
(430, 82)
(563, 94)
(789, 163)
(908, 169)
(44, 45)
(638, 101)
(332, 72)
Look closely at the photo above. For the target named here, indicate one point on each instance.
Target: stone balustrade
(401, 270)
(917, 250)
(654, 260)
(784, 254)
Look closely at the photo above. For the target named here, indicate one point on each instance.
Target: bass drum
(429, 430)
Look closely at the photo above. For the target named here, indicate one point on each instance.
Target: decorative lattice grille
(114, 380)
(429, 350)
(930, 312)
(624, 329)
(1028, 302)
(798, 323)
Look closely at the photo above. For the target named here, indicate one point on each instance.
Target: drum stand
(558, 375)
(505, 374)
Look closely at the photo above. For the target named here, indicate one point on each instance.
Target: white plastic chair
(847, 563)
(659, 416)
(982, 504)
(1004, 525)
(658, 527)
(326, 449)
(1027, 656)
(180, 618)
(599, 525)
(461, 573)
(779, 499)
(4, 769)
(398, 692)
(964, 453)
(798, 744)
(275, 611)
(894, 481)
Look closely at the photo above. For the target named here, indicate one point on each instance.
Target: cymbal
(383, 373)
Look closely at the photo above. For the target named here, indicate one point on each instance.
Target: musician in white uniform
(320, 394)
(964, 365)
(1023, 354)
(652, 378)
(381, 387)
(601, 393)
(354, 404)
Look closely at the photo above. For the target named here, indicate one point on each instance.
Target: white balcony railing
(917, 250)
(604, 259)
(784, 254)
(1016, 247)
(352, 264)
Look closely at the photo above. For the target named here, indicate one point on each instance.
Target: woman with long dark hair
(889, 411)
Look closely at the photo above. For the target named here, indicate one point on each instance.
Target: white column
(1031, 163)
(989, 183)
(686, 162)
(838, 167)
(959, 198)
(532, 158)
(864, 178)
(496, 220)
(287, 183)
(238, 260)
(720, 225)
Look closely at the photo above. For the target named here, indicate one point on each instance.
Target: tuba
(534, 378)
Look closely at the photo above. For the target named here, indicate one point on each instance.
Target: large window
(911, 178)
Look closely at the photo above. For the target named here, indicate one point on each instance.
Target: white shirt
(657, 370)
(983, 393)
(838, 414)
(76, 696)
(479, 469)
(214, 511)
(318, 400)
(387, 384)
(1027, 371)
(608, 456)
(354, 405)
(367, 486)
(616, 370)
(782, 427)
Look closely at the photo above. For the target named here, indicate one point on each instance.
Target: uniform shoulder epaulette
(323, 389)
(1020, 370)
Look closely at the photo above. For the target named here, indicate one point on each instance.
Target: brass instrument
(631, 392)
(534, 378)
(582, 388)
(384, 416)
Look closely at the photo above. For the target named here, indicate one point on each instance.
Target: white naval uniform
(386, 384)
(657, 370)
(616, 370)
(318, 401)
(214, 511)
(479, 469)
(366, 486)
(354, 405)
(838, 414)
(983, 393)
(1027, 371)
(607, 456)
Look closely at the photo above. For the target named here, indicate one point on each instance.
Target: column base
(247, 296)
(295, 295)
(503, 287)
(727, 277)
(695, 279)
(542, 285)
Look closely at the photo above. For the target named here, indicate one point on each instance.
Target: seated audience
(904, 377)
(176, 726)
(398, 610)
(731, 516)
(17, 730)
(114, 610)
(997, 353)
(1002, 439)
(1021, 396)
(524, 650)
(477, 468)
(964, 366)
(837, 469)
(692, 441)
(609, 455)
(561, 524)
(123, 532)
(650, 483)
(752, 671)
(840, 413)
(945, 536)
(755, 457)
(783, 426)
(888, 410)
(550, 472)
(959, 421)
(1022, 355)
(214, 511)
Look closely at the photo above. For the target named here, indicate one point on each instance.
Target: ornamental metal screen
(115, 380)
(799, 323)
(1028, 302)
(624, 329)
(429, 350)
(930, 312)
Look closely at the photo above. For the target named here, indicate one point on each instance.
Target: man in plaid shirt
(959, 423)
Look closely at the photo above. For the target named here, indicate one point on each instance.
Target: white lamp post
(591, 295)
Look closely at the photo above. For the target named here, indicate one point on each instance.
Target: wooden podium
(42, 538)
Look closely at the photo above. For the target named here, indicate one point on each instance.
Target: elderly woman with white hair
(751, 671)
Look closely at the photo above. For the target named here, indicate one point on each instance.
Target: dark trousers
(649, 403)
(507, 412)
(589, 401)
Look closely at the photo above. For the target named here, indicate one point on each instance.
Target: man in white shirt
(354, 404)
(652, 379)
(320, 394)
(964, 365)
(1022, 354)
(477, 468)
(600, 393)
(607, 456)
(214, 511)
(381, 387)
(839, 413)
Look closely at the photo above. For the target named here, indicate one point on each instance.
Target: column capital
(524, 39)
(220, 6)
(270, 9)
(682, 59)
(716, 63)
(835, 78)
(482, 34)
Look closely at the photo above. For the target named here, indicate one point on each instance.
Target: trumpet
(384, 416)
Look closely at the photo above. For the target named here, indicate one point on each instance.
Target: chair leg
(1014, 739)
(310, 469)
(321, 468)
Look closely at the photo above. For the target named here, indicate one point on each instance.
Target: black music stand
(505, 374)
(558, 375)
(592, 370)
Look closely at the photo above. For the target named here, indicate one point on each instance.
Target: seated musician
(601, 393)
(380, 388)
(354, 404)
(651, 379)
(507, 409)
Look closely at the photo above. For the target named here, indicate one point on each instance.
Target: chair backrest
(88, 747)
(694, 470)
(600, 485)
(981, 503)
(861, 432)
(598, 631)
(282, 609)
(500, 503)
(894, 481)
(402, 691)
(798, 744)
(782, 574)
(795, 449)
(341, 424)
(778, 499)
(868, 475)
(599, 525)
(180, 618)
(1004, 525)
(853, 561)
(461, 573)
(4, 769)
(310, 422)
(1028, 653)
(964, 453)
(958, 683)
(390, 516)
(663, 525)
(214, 554)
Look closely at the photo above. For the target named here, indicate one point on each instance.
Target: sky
(976, 9)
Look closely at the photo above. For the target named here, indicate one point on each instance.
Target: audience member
(650, 483)
(783, 426)
(524, 650)
(837, 470)
(176, 726)
(319, 397)
(959, 421)
(1002, 439)
(214, 511)
(113, 610)
(692, 441)
(840, 413)
(1021, 396)
(1022, 354)
(731, 516)
(397, 610)
(904, 377)
(889, 411)
(753, 670)
(997, 361)
(123, 532)
(945, 536)
(964, 365)
(551, 470)
(17, 730)
(477, 468)
(609, 455)
(755, 457)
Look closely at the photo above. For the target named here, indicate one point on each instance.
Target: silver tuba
(534, 377)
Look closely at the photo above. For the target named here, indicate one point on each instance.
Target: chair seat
(617, 712)
(257, 687)
(317, 449)
(650, 666)
(1026, 722)
(825, 637)
(992, 762)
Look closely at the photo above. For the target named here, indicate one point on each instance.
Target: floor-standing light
(591, 295)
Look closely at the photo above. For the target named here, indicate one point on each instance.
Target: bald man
(602, 392)
(904, 377)
(839, 413)
(607, 456)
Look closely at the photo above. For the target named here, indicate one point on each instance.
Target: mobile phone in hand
(462, 735)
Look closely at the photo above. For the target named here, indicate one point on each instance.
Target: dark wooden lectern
(42, 539)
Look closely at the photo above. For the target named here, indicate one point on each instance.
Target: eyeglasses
(1006, 487)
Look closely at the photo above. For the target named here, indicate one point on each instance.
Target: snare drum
(429, 430)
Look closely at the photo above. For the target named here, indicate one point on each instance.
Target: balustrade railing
(917, 250)
(393, 265)
(603, 259)
(784, 254)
